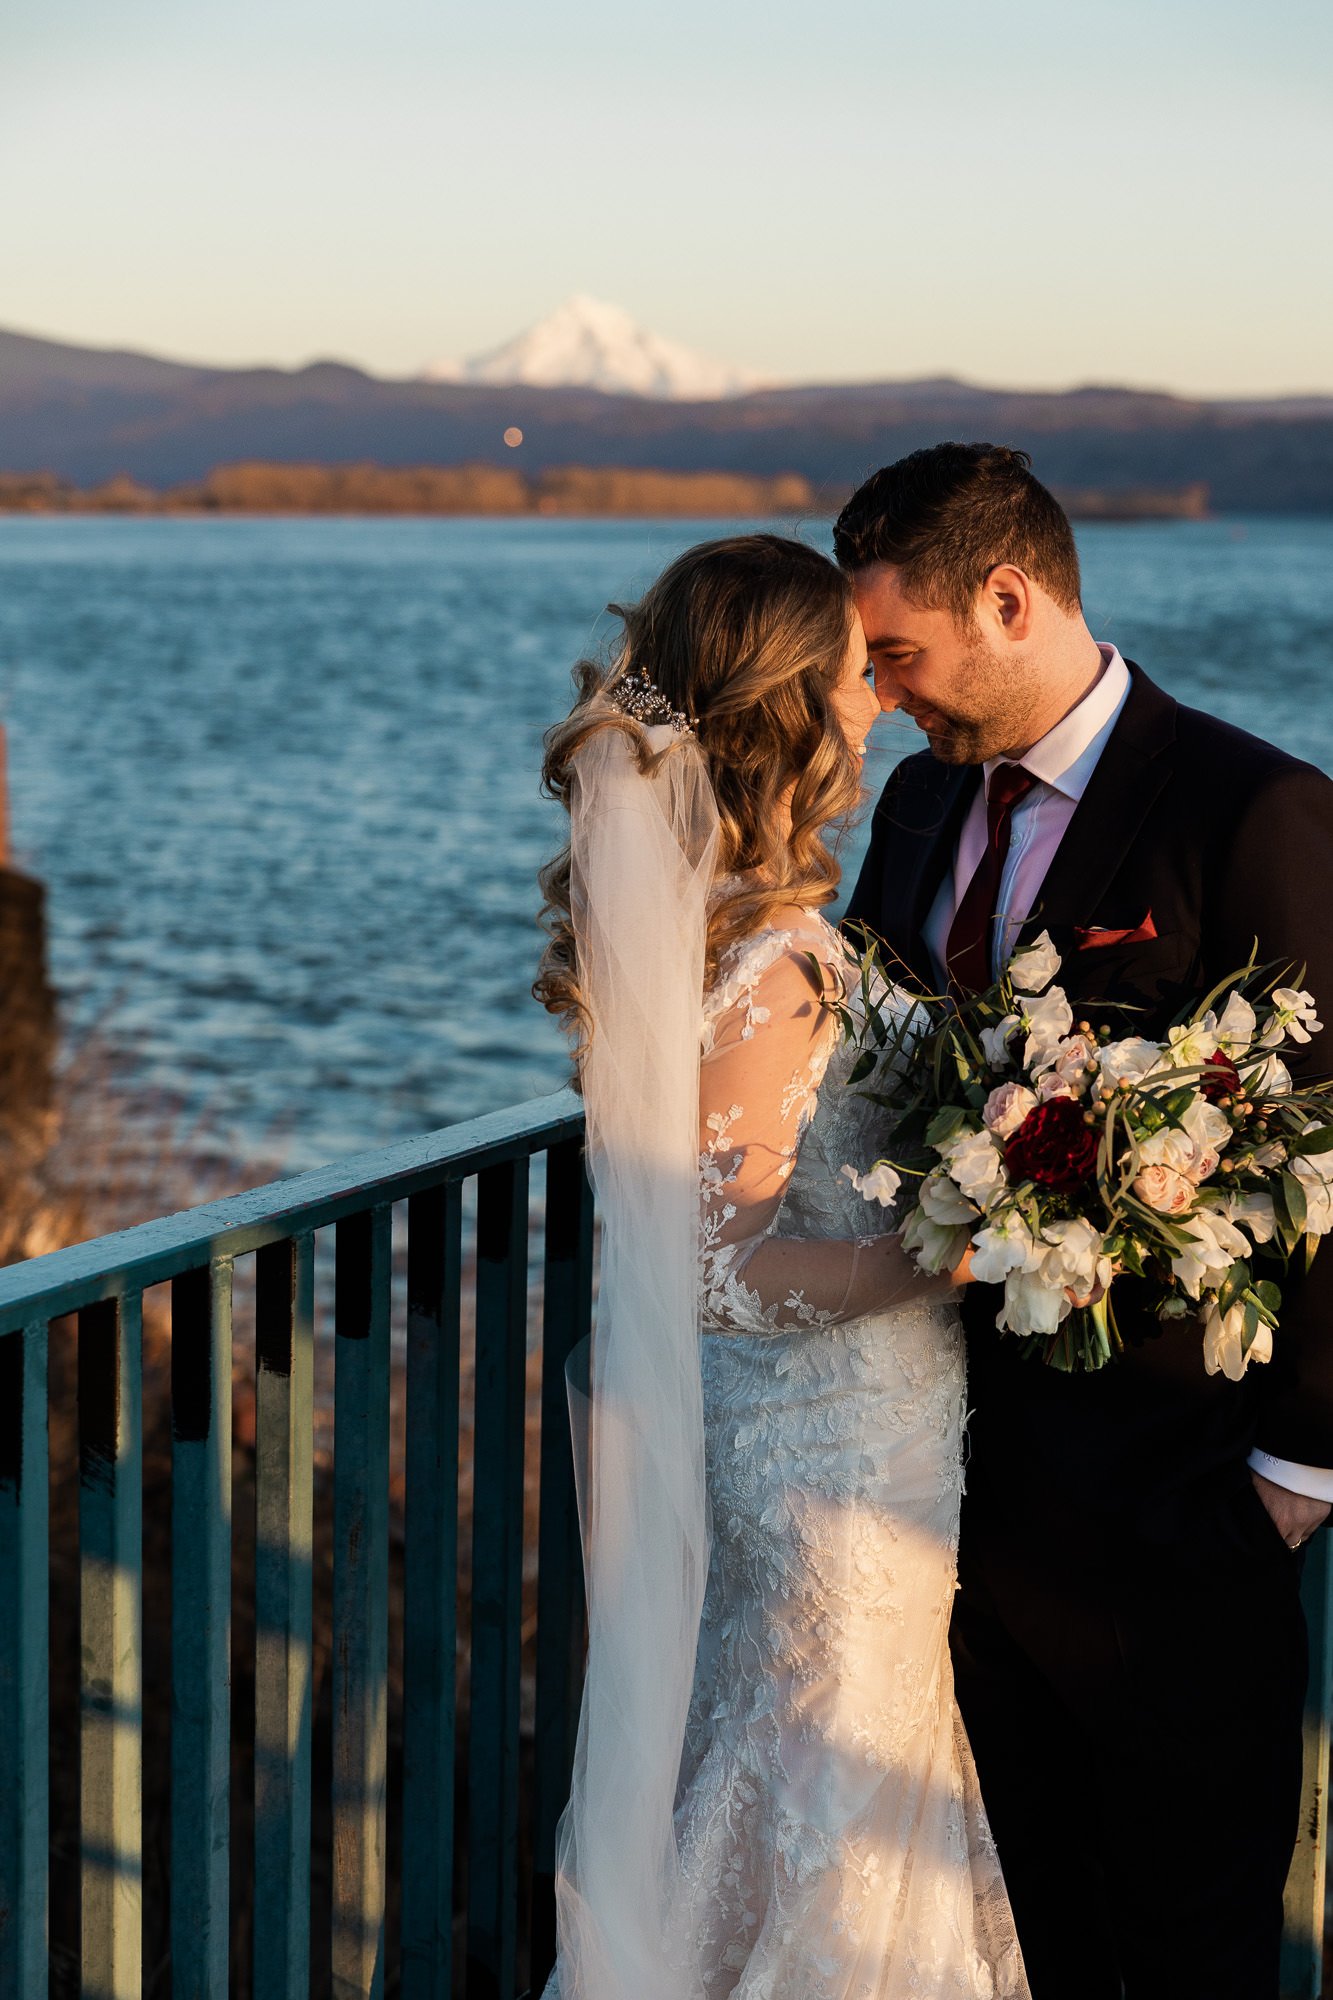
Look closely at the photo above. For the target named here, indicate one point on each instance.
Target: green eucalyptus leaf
(1293, 1200)
(1312, 1142)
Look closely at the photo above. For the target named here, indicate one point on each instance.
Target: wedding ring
(1296, 1544)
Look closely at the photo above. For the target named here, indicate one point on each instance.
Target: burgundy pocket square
(1090, 938)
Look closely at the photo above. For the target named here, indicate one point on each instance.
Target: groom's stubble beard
(989, 712)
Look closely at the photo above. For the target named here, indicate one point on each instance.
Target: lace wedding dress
(829, 1839)
(830, 1830)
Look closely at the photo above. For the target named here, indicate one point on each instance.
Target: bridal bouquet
(1068, 1158)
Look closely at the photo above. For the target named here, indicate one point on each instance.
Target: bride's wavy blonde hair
(749, 638)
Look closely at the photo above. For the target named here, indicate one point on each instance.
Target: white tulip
(936, 1247)
(1235, 1025)
(1128, 1061)
(1047, 1021)
(943, 1203)
(1214, 1245)
(1032, 969)
(1222, 1335)
(1004, 1245)
(995, 1041)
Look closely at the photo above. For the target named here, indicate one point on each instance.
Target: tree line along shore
(258, 487)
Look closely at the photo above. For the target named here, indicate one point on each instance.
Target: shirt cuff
(1315, 1482)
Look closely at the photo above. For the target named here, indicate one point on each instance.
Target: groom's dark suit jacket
(1213, 839)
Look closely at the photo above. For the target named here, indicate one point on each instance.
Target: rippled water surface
(281, 777)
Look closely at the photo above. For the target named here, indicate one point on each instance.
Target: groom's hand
(1293, 1515)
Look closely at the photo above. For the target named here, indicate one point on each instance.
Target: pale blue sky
(1042, 193)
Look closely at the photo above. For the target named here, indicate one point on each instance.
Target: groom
(1128, 1640)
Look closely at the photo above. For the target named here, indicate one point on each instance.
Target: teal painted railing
(103, 1282)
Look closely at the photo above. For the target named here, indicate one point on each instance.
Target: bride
(773, 1797)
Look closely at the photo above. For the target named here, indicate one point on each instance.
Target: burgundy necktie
(968, 952)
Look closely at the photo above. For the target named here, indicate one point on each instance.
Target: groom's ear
(1007, 604)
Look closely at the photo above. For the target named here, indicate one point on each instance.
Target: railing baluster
(497, 1579)
(360, 1602)
(1303, 1926)
(284, 1352)
(567, 1318)
(111, 1640)
(430, 1582)
(24, 1662)
(200, 1630)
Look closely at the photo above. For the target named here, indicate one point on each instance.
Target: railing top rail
(130, 1260)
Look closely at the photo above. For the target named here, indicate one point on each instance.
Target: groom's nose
(887, 689)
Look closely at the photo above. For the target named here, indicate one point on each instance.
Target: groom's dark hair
(946, 516)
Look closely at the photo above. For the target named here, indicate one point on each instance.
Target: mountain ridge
(89, 414)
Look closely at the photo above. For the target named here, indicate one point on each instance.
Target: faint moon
(513, 436)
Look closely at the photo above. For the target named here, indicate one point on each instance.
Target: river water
(281, 779)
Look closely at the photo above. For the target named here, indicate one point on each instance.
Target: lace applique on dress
(832, 1843)
(829, 1825)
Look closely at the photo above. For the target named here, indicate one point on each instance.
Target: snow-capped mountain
(590, 345)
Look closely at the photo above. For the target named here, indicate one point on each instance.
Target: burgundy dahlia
(1053, 1147)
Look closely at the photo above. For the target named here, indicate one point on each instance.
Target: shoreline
(364, 491)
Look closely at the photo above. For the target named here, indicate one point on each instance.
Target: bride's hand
(1092, 1298)
(962, 1275)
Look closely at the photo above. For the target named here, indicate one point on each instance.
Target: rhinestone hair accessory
(642, 699)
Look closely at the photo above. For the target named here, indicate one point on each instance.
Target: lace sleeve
(767, 1043)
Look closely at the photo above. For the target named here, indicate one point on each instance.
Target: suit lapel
(929, 812)
(1129, 775)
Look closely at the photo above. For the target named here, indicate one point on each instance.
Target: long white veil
(643, 855)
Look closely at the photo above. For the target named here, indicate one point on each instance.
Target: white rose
(1298, 1012)
(881, 1184)
(975, 1163)
(1128, 1061)
(1047, 1021)
(1164, 1189)
(943, 1203)
(995, 1041)
(1032, 969)
(1051, 1084)
(1235, 1025)
(1004, 1245)
(1222, 1333)
(1209, 1133)
(1271, 1154)
(1071, 1058)
(1007, 1107)
(936, 1247)
(1193, 1147)
(1214, 1245)
(1254, 1214)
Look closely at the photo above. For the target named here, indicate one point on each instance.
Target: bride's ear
(1007, 604)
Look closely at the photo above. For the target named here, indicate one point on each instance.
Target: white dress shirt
(1062, 763)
